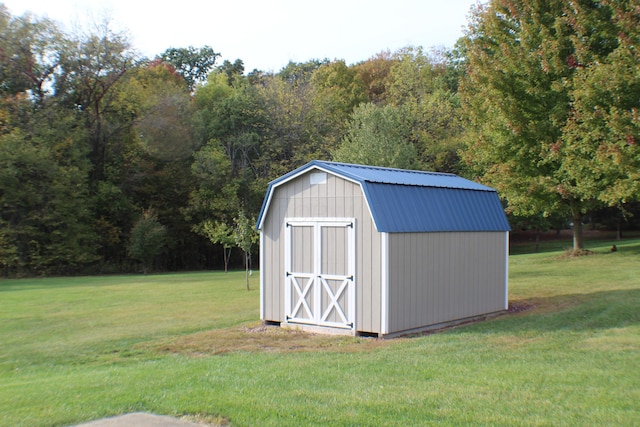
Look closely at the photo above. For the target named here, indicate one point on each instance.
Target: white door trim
(295, 293)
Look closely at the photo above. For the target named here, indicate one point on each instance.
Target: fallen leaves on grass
(571, 253)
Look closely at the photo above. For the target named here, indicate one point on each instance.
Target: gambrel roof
(402, 201)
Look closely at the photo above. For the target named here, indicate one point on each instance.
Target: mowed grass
(78, 349)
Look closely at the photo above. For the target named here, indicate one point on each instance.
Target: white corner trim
(262, 287)
(384, 272)
(506, 271)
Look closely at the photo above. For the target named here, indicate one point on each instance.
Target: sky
(267, 34)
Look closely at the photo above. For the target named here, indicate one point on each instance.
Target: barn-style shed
(358, 249)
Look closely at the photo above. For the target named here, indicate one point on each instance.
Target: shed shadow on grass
(570, 312)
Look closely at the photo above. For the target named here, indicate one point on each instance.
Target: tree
(147, 239)
(28, 54)
(422, 85)
(232, 70)
(215, 194)
(45, 223)
(292, 138)
(536, 80)
(337, 90)
(375, 74)
(163, 108)
(219, 232)
(245, 236)
(377, 136)
(229, 122)
(91, 66)
(191, 63)
(601, 139)
(297, 73)
(45, 220)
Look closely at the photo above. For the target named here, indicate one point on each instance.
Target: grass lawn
(78, 349)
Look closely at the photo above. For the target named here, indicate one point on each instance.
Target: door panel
(335, 250)
(302, 249)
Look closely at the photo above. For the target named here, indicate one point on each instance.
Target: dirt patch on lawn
(259, 338)
(544, 305)
(520, 306)
(262, 338)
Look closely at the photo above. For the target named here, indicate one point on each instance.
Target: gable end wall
(337, 198)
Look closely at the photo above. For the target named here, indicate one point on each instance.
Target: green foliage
(232, 115)
(163, 108)
(292, 136)
(338, 88)
(420, 84)
(233, 70)
(146, 163)
(246, 236)
(377, 136)
(220, 233)
(602, 135)
(297, 73)
(544, 97)
(44, 222)
(29, 54)
(216, 195)
(147, 240)
(91, 66)
(192, 64)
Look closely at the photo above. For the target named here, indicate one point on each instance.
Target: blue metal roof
(413, 201)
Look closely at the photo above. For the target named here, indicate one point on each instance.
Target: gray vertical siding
(337, 198)
(441, 277)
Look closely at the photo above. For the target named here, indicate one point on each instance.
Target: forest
(112, 162)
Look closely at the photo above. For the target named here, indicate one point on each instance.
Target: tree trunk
(226, 254)
(246, 268)
(578, 237)
(537, 240)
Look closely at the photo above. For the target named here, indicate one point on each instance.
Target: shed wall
(337, 198)
(441, 277)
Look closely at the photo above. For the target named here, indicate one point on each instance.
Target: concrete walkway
(139, 419)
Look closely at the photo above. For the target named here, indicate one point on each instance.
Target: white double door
(320, 268)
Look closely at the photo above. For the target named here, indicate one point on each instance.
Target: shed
(374, 251)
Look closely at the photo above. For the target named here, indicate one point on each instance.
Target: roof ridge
(355, 165)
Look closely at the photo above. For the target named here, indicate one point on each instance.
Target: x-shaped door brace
(334, 299)
(302, 295)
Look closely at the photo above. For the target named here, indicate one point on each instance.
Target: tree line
(113, 162)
